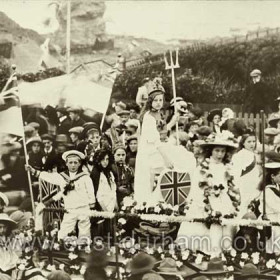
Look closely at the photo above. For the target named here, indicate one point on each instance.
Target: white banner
(79, 91)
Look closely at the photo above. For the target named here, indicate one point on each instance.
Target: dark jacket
(14, 175)
(124, 178)
(257, 239)
(68, 124)
(257, 98)
(49, 160)
(131, 159)
(95, 273)
(35, 160)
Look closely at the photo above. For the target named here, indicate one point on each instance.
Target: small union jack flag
(47, 191)
(174, 187)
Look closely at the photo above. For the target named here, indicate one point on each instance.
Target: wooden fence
(250, 120)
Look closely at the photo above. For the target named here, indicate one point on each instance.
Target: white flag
(79, 91)
(10, 113)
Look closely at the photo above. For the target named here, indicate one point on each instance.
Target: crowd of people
(96, 169)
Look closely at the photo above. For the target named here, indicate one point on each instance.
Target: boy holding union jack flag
(76, 189)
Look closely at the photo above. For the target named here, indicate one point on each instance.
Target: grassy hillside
(213, 74)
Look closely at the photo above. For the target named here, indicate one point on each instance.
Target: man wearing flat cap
(75, 135)
(76, 189)
(257, 95)
(74, 119)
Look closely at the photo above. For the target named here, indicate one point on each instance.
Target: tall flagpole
(25, 152)
(68, 36)
(263, 162)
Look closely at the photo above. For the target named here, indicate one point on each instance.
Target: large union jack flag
(174, 187)
(47, 191)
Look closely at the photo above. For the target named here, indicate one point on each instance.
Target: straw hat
(272, 165)
(141, 263)
(271, 131)
(249, 270)
(4, 218)
(132, 137)
(215, 267)
(168, 266)
(32, 140)
(225, 139)
(70, 153)
(273, 122)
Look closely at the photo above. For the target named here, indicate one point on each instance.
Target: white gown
(210, 239)
(247, 176)
(148, 159)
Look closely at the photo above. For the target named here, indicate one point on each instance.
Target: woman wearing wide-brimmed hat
(168, 266)
(141, 267)
(274, 122)
(213, 193)
(215, 269)
(8, 256)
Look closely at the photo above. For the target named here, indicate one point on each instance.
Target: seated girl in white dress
(151, 159)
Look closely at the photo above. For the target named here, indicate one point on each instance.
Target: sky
(162, 20)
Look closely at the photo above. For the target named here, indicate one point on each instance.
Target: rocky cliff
(22, 47)
(87, 25)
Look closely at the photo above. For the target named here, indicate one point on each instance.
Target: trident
(171, 67)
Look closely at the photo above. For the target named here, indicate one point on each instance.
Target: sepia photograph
(139, 140)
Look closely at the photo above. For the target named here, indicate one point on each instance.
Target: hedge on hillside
(219, 74)
(5, 73)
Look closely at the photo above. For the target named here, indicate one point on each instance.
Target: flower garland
(128, 247)
(210, 189)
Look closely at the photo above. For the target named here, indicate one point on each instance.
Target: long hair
(207, 152)
(148, 105)
(98, 157)
(244, 138)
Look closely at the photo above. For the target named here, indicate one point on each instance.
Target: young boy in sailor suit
(76, 189)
